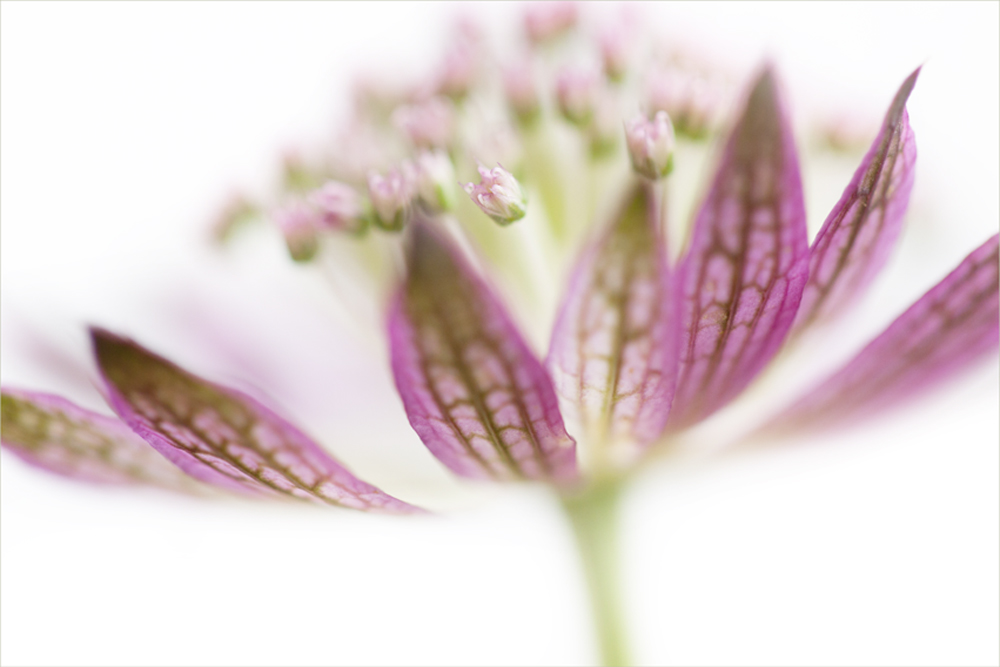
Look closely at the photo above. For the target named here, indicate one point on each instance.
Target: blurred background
(126, 127)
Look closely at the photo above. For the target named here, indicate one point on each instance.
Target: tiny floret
(338, 207)
(392, 196)
(545, 21)
(427, 124)
(499, 195)
(297, 222)
(521, 91)
(436, 180)
(576, 94)
(651, 144)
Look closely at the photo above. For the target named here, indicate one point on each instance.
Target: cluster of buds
(499, 195)
(428, 181)
(651, 144)
(332, 207)
(692, 99)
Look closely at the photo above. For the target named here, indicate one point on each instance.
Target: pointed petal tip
(892, 117)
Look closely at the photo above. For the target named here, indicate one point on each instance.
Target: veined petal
(222, 436)
(861, 230)
(613, 355)
(951, 325)
(471, 387)
(742, 278)
(54, 434)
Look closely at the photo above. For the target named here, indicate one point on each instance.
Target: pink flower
(427, 124)
(576, 92)
(392, 195)
(499, 195)
(651, 144)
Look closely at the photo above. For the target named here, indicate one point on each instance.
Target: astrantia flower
(641, 348)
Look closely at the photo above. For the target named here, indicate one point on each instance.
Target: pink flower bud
(392, 196)
(521, 91)
(338, 207)
(461, 61)
(436, 180)
(576, 93)
(427, 124)
(544, 21)
(297, 221)
(499, 195)
(617, 45)
(651, 144)
(603, 132)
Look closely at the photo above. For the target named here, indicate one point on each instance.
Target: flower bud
(392, 196)
(576, 94)
(651, 144)
(436, 180)
(297, 221)
(616, 42)
(602, 131)
(521, 92)
(338, 207)
(544, 21)
(427, 124)
(499, 195)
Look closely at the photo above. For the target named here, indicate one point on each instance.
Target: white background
(124, 127)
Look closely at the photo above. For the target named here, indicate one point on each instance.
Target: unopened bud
(297, 221)
(651, 144)
(427, 124)
(521, 92)
(392, 196)
(436, 180)
(602, 132)
(499, 195)
(616, 42)
(544, 21)
(576, 94)
(338, 207)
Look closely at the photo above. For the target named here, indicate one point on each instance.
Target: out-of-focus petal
(472, 389)
(954, 323)
(222, 436)
(861, 230)
(742, 278)
(613, 355)
(54, 434)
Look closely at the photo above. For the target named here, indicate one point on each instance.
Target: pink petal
(952, 325)
(222, 436)
(56, 435)
(862, 228)
(613, 356)
(471, 387)
(742, 278)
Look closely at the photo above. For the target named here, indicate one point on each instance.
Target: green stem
(594, 517)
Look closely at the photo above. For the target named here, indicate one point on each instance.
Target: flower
(436, 180)
(651, 144)
(577, 91)
(159, 345)
(499, 195)
(392, 195)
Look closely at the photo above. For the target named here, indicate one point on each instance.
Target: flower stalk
(593, 514)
